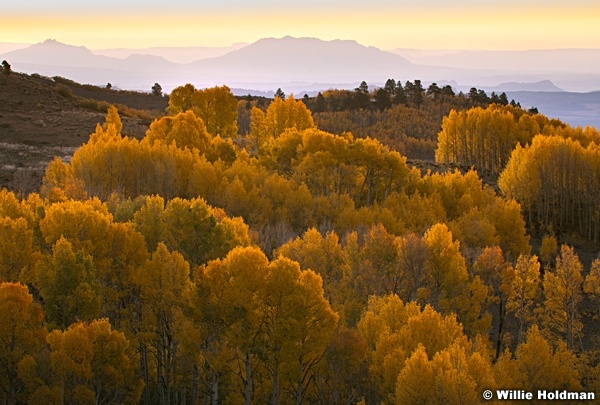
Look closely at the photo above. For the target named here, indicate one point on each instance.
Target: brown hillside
(41, 118)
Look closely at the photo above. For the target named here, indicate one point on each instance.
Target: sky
(386, 24)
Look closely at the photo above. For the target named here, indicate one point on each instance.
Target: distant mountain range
(575, 70)
(264, 65)
(300, 65)
(181, 55)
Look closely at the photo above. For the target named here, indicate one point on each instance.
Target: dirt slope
(40, 119)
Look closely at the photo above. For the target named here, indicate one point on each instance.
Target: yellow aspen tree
(539, 366)
(431, 329)
(520, 180)
(22, 335)
(592, 280)
(324, 256)
(165, 288)
(453, 384)
(393, 331)
(190, 228)
(456, 374)
(483, 138)
(185, 129)
(510, 226)
(204, 179)
(380, 326)
(548, 250)
(16, 248)
(14, 208)
(298, 325)
(91, 363)
(223, 149)
(289, 113)
(217, 107)
(446, 267)
(498, 276)
(448, 140)
(383, 314)
(55, 179)
(341, 377)
(112, 118)
(84, 224)
(475, 230)
(67, 284)
(180, 99)
(122, 254)
(149, 221)
(258, 137)
(524, 292)
(228, 309)
(412, 262)
(416, 381)
(379, 256)
(563, 293)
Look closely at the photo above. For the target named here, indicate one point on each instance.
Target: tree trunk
(215, 389)
(144, 371)
(248, 387)
(275, 390)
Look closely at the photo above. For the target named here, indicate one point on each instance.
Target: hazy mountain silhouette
(52, 58)
(310, 64)
(181, 55)
(261, 65)
(577, 109)
(307, 59)
(541, 86)
(11, 46)
(542, 60)
(570, 69)
(54, 53)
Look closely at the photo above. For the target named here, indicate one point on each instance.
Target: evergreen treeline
(407, 118)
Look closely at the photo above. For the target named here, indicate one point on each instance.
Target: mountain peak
(539, 86)
(53, 43)
(306, 59)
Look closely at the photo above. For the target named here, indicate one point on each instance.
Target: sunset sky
(386, 24)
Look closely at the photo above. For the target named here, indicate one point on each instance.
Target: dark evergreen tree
(382, 99)
(400, 94)
(6, 67)
(447, 91)
(434, 91)
(320, 103)
(362, 98)
(390, 87)
(280, 94)
(157, 89)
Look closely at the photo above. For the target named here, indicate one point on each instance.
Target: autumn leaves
(289, 266)
(549, 168)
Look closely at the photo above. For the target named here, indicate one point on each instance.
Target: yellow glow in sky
(393, 26)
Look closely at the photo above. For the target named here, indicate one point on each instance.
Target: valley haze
(561, 83)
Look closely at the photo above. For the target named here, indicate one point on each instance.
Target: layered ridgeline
(291, 265)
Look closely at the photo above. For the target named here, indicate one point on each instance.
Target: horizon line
(245, 43)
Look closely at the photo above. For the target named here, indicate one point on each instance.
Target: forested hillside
(406, 117)
(300, 260)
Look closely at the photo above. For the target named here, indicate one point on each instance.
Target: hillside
(40, 119)
(302, 242)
